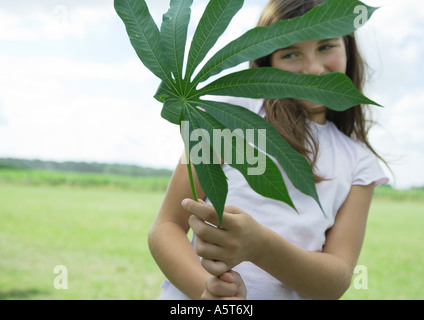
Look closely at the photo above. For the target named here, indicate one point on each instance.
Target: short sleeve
(368, 169)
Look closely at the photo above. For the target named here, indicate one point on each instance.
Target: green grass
(99, 232)
(393, 251)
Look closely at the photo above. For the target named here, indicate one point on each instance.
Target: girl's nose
(313, 65)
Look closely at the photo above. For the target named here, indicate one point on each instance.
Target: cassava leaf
(334, 90)
(331, 19)
(213, 23)
(211, 176)
(166, 91)
(295, 165)
(174, 36)
(172, 110)
(144, 36)
(269, 184)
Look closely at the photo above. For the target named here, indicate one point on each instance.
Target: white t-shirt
(341, 160)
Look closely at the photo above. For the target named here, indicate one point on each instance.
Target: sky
(73, 89)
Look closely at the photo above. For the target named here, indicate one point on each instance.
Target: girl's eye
(326, 47)
(289, 56)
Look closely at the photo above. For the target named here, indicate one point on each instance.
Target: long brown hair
(289, 116)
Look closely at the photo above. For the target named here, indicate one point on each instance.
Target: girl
(265, 250)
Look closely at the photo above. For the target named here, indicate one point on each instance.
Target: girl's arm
(327, 274)
(168, 240)
(318, 275)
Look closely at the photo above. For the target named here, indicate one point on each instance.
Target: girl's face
(312, 57)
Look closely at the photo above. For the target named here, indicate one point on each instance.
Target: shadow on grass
(18, 294)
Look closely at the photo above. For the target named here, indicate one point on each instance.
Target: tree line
(88, 167)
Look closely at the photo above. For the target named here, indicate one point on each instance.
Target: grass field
(393, 251)
(99, 233)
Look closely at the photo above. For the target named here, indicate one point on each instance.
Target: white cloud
(94, 129)
(41, 81)
(2, 117)
(393, 41)
(399, 138)
(51, 21)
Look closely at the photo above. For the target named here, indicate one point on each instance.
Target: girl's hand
(223, 248)
(229, 286)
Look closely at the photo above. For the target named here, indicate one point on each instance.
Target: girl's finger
(201, 210)
(220, 288)
(206, 231)
(215, 267)
(208, 250)
(234, 277)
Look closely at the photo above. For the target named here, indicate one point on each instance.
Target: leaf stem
(190, 176)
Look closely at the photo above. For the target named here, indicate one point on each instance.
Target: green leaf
(333, 90)
(295, 165)
(166, 91)
(211, 176)
(269, 183)
(174, 35)
(144, 36)
(172, 110)
(213, 23)
(332, 19)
